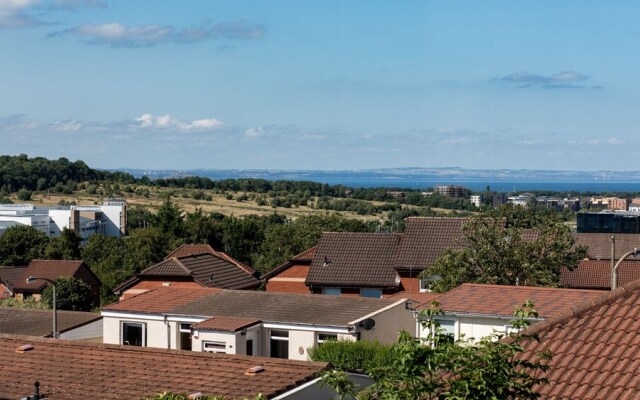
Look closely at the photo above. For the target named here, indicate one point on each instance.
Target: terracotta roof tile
(606, 344)
(50, 269)
(34, 322)
(502, 300)
(84, 370)
(9, 276)
(160, 301)
(355, 259)
(596, 274)
(304, 258)
(232, 324)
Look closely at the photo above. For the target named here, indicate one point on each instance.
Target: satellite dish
(368, 324)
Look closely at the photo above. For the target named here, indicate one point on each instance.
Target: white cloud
(13, 13)
(166, 122)
(119, 35)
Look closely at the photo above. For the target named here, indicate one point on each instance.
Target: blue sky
(304, 84)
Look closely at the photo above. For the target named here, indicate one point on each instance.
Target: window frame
(377, 291)
(143, 333)
(337, 291)
(220, 349)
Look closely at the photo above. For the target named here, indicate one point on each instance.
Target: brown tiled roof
(417, 298)
(232, 324)
(265, 306)
(207, 269)
(595, 347)
(11, 275)
(596, 274)
(73, 370)
(192, 249)
(304, 258)
(355, 259)
(426, 239)
(160, 300)
(599, 244)
(50, 269)
(34, 322)
(501, 300)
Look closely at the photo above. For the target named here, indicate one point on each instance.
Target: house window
(326, 337)
(370, 292)
(250, 347)
(280, 344)
(424, 286)
(447, 327)
(332, 291)
(134, 334)
(214, 347)
(185, 336)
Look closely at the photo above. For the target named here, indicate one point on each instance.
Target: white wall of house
(92, 330)
(230, 339)
(156, 331)
(389, 323)
(470, 326)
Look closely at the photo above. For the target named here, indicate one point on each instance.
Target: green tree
(20, 244)
(437, 368)
(64, 247)
(147, 246)
(169, 218)
(105, 256)
(71, 294)
(509, 249)
(24, 195)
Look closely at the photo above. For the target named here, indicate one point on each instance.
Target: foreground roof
(501, 300)
(354, 259)
(306, 309)
(595, 347)
(50, 269)
(596, 274)
(83, 370)
(33, 322)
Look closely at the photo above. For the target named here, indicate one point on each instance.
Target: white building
(280, 325)
(473, 311)
(476, 200)
(109, 219)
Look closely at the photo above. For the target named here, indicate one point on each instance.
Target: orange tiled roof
(595, 346)
(161, 300)
(74, 370)
(501, 300)
(50, 269)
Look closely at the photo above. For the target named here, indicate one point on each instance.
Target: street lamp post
(54, 333)
(614, 270)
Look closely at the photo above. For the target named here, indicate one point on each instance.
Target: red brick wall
(291, 280)
(287, 287)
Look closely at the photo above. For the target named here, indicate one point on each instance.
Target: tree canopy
(511, 246)
(20, 244)
(71, 294)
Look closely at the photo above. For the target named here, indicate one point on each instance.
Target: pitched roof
(209, 270)
(87, 370)
(599, 244)
(308, 309)
(11, 275)
(596, 274)
(354, 259)
(192, 249)
(304, 258)
(49, 269)
(499, 300)
(427, 238)
(595, 348)
(232, 324)
(35, 322)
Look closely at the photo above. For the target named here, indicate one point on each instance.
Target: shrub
(24, 194)
(360, 356)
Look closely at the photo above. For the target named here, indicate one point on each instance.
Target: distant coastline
(421, 178)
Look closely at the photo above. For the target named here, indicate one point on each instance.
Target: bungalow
(281, 325)
(78, 370)
(370, 264)
(9, 276)
(594, 348)
(72, 325)
(194, 266)
(477, 310)
(54, 269)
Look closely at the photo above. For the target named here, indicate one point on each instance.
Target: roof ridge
(582, 308)
(527, 287)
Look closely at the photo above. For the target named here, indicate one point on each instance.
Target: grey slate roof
(208, 269)
(35, 322)
(292, 308)
(599, 244)
(355, 259)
